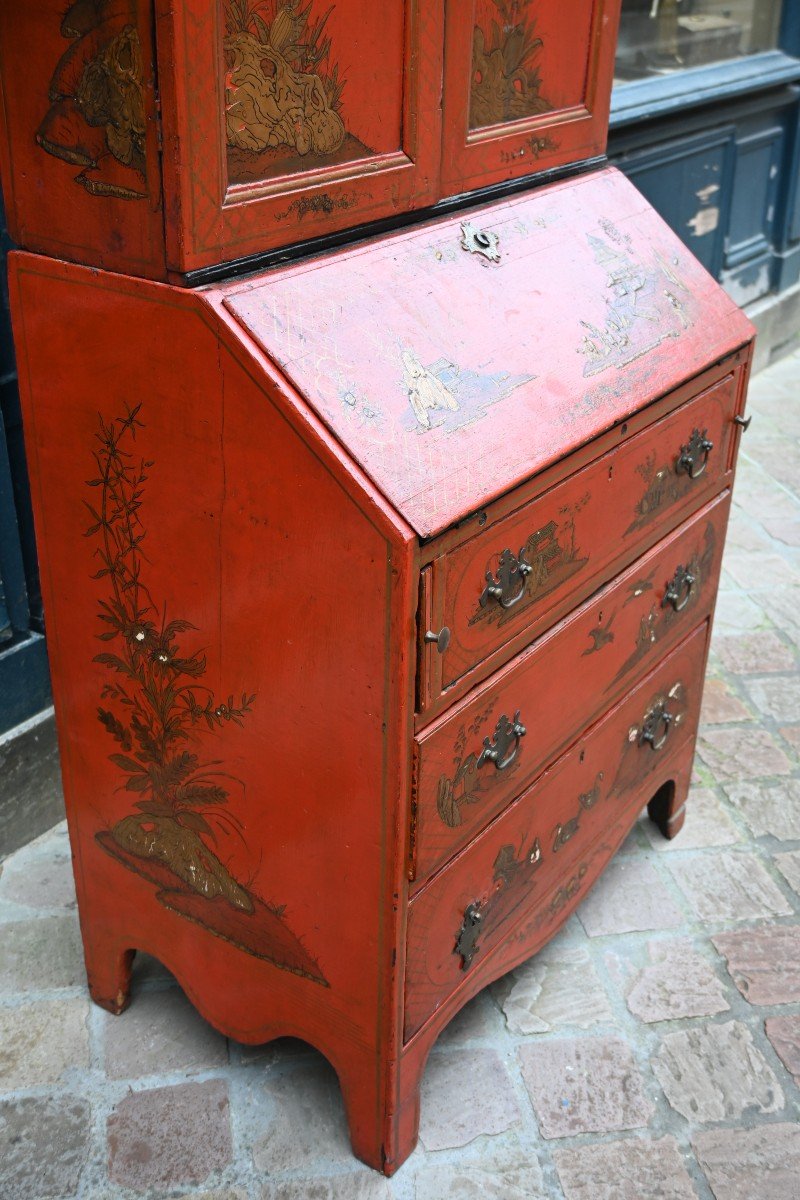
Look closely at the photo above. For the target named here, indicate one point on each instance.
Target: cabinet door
(293, 118)
(527, 86)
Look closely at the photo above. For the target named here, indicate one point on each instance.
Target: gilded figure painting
(96, 119)
(157, 708)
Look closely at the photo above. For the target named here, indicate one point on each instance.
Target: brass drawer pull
(503, 747)
(508, 587)
(658, 718)
(679, 589)
(693, 458)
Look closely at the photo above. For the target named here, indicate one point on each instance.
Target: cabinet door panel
(527, 86)
(314, 116)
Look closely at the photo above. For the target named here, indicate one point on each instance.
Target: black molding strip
(289, 254)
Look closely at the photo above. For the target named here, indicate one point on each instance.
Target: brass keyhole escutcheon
(480, 241)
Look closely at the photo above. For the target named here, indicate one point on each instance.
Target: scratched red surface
(450, 378)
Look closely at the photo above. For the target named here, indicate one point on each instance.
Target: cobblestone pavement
(651, 1051)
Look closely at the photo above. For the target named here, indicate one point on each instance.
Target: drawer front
(508, 582)
(476, 759)
(463, 914)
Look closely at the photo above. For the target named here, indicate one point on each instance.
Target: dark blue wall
(716, 151)
(24, 679)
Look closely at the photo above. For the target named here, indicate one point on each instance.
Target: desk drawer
(512, 580)
(466, 912)
(474, 760)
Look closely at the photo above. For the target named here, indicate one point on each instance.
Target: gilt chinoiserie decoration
(96, 119)
(379, 584)
(283, 94)
(157, 707)
(506, 83)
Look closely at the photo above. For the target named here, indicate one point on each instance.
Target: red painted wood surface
(530, 851)
(255, 549)
(232, 596)
(452, 378)
(607, 643)
(571, 534)
(526, 938)
(539, 90)
(357, 132)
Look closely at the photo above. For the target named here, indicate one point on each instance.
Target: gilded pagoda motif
(96, 118)
(646, 303)
(548, 558)
(506, 80)
(155, 708)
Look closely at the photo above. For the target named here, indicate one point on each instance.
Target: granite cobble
(650, 1052)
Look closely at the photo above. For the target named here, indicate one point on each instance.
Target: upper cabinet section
(158, 137)
(527, 86)
(287, 119)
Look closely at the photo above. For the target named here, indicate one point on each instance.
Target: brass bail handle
(693, 457)
(502, 748)
(659, 718)
(507, 586)
(679, 589)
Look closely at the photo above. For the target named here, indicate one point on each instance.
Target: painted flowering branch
(157, 690)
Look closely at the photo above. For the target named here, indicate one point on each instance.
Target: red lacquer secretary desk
(379, 577)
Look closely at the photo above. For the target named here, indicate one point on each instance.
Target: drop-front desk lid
(456, 359)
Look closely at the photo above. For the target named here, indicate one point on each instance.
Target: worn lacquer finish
(274, 122)
(79, 144)
(570, 535)
(421, 355)
(203, 779)
(323, 116)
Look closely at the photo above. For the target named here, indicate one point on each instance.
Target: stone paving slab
(650, 1052)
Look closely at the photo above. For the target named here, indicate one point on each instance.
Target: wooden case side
(286, 616)
(79, 146)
